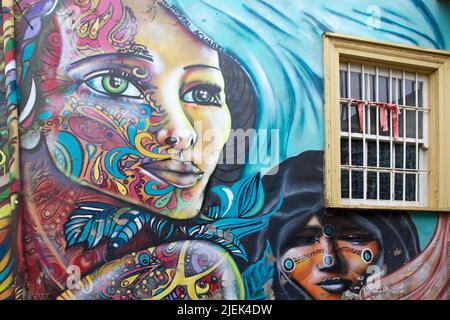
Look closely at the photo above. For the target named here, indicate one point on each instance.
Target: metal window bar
(368, 97)
(384, 169)
(404, 133)
(408, 108)
(365, 147)
(349, 109)
(377, 98)
(381, 138)
(416, 81)
(391, 140)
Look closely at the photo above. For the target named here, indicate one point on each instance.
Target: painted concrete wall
(125, 184)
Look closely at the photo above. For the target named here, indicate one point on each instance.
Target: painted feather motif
(91, 223)
(237, 215)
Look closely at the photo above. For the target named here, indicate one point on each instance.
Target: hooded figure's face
(129, 95)
(329, 256)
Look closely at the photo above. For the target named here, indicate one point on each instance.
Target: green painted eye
(114, 85)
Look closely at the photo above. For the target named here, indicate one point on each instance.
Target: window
(386, 110)
(384, 114)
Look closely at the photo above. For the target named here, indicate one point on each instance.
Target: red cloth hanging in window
(384, 112)
(384, 109)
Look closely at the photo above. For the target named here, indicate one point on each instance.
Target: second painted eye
(114, 85)
(356, 238)
(203, 95)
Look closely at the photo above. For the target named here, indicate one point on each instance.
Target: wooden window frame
(436, 65)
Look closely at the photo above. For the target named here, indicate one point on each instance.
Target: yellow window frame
(433, 63)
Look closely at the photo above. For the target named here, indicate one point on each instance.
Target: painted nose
(177, 133)
(331, 259)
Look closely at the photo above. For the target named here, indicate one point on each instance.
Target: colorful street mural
(122, 176)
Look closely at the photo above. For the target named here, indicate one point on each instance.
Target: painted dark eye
(114, 85)
(306, 240)
(203, 95)
(356, 238)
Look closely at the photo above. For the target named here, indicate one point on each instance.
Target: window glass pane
(410, 156)
(344, 151)
(385, 186)
(343, 82)
(410, 187)
(357, 153)
(400, 123)
(383, 89)
(344, 184)
(398, 155)
(344, 117)
(372, 185)
(356, 85)
(385, 154)
(420, 125)
(355, 119)
(410, 91)
(357, 185)
(410, 124)
(398, 186)
(371, 153)
(420, 94)
(400, 92)
(370, 87)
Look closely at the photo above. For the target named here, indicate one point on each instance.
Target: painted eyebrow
(79, 70)
(149, 58)
(200, 66)
(105, 56)
(309, 229)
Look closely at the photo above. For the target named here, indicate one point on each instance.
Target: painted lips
(335, 285)
(174, 172)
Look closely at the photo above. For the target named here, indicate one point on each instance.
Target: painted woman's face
(128, 94)
(329, 257)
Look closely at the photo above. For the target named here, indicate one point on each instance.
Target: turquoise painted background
(279, 42)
